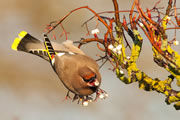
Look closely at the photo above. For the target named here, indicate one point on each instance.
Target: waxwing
(78, 72)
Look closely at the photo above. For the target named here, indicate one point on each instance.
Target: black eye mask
(90, 80)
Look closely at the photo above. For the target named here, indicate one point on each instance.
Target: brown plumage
(78, 72)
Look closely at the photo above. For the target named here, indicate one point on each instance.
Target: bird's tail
(27, 43)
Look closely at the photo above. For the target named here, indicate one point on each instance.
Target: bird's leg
(81, 98)
(89, 98)
(75, 97)
(68, 96)
(84, 100)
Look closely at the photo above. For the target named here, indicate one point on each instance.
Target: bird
(78, 72)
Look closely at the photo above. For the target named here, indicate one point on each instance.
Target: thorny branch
(154, 25)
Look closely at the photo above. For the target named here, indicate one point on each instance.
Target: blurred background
(29, 88)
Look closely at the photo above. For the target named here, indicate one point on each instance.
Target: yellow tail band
(17, 40)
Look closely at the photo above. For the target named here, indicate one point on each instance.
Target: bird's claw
(85, 100)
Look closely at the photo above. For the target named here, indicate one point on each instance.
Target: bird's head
(90, 79)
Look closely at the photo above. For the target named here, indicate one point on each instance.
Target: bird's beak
(94, 83)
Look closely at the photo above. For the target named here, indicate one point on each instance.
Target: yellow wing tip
(17, 40)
